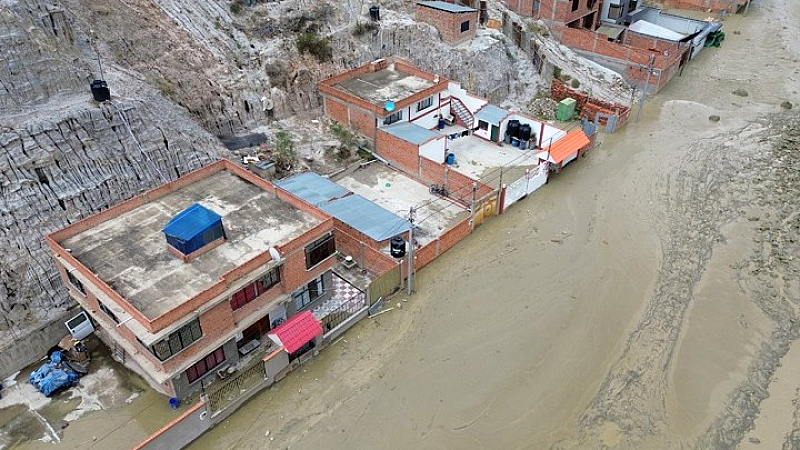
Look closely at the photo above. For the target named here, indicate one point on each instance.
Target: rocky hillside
(182, 74)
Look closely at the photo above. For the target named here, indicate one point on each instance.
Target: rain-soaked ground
(646, 298)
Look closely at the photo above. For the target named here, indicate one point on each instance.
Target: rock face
(63, 156)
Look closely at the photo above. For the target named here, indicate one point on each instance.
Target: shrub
(237, 7)
(362, 28)
(575, 83)
(311, 42)
(284, 154)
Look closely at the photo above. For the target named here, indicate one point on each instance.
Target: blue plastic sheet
(53, 375)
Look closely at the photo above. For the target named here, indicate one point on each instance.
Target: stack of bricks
(589, 107)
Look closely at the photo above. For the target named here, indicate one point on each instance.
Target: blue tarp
(53, 375)
(193, 228)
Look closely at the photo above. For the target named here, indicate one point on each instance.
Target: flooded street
(642, 299)
(646, 298)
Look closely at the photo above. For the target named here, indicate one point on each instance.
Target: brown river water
(643, 299)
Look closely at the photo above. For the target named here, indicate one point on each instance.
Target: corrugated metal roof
(190, 222)
(651, 29)
(410, 132)
(569, 144)
(312, 188)
(299, 330)
(356, 211)
(449, 7)
(367, 217)
(491, 114)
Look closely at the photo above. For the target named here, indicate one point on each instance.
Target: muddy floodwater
(648, 297)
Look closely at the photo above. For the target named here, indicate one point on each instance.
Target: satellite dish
(389, 105)
(274, 254)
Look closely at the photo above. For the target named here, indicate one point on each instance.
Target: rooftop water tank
(525, 132)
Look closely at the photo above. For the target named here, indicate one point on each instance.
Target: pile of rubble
(543, 108)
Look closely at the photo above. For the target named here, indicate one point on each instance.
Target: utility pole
(646, 86)
(411, 251)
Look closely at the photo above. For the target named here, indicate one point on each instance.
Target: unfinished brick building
(455, 23)
(572, 13)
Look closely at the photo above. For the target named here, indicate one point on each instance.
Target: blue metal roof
(356, 211)
(312, 188)
(191, 222)
(410, 132)
(491, 114)
(369, 218)
(449, 7)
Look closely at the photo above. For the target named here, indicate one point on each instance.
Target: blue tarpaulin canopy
(193, 228)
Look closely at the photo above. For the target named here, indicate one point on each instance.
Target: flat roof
(612, 32)
(654, 30)
(383, 85)
(354, 210)
(449, 7)
(491, 114)
(411, 132)
(129, 251)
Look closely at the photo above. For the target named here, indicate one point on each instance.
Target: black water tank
(513, 128)
(375, 13)
(397, 247)
(100, 91)
(525, 132)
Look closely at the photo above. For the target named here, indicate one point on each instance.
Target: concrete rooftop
(387, 84)
(129, 252)
(480, 159)
(397, 193)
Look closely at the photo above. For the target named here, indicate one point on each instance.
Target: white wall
(429, 117)
(472, 103)
(553, 133)
(434, 150)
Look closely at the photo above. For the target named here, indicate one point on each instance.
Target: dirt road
(642, 299)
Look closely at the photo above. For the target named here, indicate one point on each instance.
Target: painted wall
(180, 432)
(472, 102)
(429, 117)
(434, 150)
(183, 388)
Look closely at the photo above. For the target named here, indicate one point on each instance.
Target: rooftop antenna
(99, 87)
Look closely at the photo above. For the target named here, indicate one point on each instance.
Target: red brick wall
(432, 250)
(449, 23)
(363, 122)
(400, 153)
(336, 111)
(522, 7)
(587, 106)
(367, 255)
(431, 171)
(564, 14)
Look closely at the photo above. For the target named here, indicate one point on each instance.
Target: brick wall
(363, 121)
(400, 153)
(588, 106)
(432, 250)
(449, 23)
(564, 13)
(522, 7)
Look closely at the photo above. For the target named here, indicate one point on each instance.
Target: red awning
(297, 331)
(568, 145)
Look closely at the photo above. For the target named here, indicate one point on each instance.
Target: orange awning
(568, 145)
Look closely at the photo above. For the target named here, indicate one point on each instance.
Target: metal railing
(236, 387)
(343, 312)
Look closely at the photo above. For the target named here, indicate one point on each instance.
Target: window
(309, 293)
(76, 282)
(108, 312)
(425, 104)
(392, 118)
(483, 125)
(632, 5)
(614, 11)
(575, 5)
(205, 365)
(177, 340)
(465, 26)
(319, 250)
(249, 293)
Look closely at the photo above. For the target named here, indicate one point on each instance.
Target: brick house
(455, 23)
(582, 14)
(183, 281)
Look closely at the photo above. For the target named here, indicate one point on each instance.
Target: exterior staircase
(462, 114)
